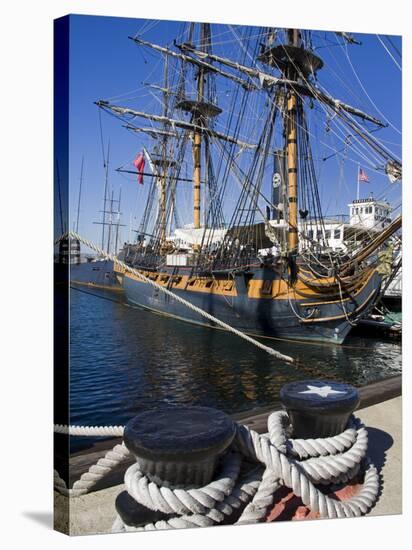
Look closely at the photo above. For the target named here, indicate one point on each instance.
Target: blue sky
(105, 64)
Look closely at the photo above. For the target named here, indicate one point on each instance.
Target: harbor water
(125, 359)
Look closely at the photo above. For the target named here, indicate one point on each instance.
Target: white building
(366, 217)
(370, 213)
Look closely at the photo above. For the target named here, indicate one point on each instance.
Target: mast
(197, 143)
(162, 199)
(296, 62)
(109, 236)
(106, 179)
(291, 153)
(108, 221)
(201, 109)
(118, 221)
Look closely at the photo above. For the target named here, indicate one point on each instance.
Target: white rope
(89, 431)
(95, 473)
(297, 464)
(179, 501)
(203, 313)
(389, 53)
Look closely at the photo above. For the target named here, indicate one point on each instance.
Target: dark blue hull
(99, 274)
(288, 319)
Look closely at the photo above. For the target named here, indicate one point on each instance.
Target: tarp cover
(195, 236)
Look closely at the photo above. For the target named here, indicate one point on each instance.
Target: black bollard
(177, 447)
(318, 408)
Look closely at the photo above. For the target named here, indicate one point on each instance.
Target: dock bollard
(318, 408)
(176, 447)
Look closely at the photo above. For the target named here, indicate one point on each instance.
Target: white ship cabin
(370, 213)
(366, 216)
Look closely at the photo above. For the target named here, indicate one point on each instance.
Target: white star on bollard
(324, 391)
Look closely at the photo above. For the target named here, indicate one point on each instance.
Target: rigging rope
(389, 53)
(345, 50)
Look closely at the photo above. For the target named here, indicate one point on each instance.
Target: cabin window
(336, 234)
(327, 234)
(319, 234)
(357, 210)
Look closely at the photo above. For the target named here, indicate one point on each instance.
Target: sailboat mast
(118, 221)
(197, 143)
(109, 236)
(291, 153)
(106, 180)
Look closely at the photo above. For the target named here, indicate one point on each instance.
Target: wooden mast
(197, 142)
(163, 175)
(162, 206)
(291, 154)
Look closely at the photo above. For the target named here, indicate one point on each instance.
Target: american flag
(362, 176)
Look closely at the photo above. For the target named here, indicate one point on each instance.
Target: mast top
(163, 162)
(201, 109)
(285, 55)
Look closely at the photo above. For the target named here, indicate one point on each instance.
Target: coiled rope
(280, 461)
(299, 464)
(201, 312)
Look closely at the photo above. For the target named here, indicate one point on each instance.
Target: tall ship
(233, 219)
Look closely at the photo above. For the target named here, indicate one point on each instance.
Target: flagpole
(357, 192)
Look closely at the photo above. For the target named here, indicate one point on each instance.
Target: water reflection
(125, 359)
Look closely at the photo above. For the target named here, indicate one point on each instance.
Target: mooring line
(201, 312)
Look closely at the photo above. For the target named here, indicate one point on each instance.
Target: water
(125, 359)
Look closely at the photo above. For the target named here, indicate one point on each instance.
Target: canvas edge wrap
(61, 43)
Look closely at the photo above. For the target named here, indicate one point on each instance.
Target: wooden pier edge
(256, 419)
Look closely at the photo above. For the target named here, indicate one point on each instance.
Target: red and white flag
(363, 176)
(139, 163)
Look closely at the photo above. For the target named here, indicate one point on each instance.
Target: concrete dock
(95, 513)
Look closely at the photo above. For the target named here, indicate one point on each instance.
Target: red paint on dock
(289, 507)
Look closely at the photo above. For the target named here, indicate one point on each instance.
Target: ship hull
(290, 318)
(99, 274)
